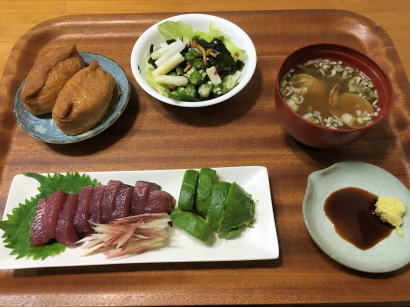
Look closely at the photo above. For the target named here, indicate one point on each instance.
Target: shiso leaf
(18, 224)
(69, 183)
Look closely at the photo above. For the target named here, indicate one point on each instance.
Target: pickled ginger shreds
(128, 236)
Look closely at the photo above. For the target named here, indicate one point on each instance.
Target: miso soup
(330, 94)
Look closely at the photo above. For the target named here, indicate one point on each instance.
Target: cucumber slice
(188, 189)
(203, 191)
(239, 211)
(191, 223)
(219, 192)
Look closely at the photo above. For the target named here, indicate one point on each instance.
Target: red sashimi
(70, 217)
(123, 202)
(65, 231)
(95, 204)
(159, 201)
(108, 203)
(38, 237)
(140, 196)
(52, 211)
(82, 215)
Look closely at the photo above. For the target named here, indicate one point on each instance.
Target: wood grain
(152, 135)
(17, 17)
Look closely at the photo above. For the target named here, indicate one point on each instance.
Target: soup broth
(330, 94)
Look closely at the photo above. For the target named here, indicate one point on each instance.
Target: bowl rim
(352, 50)
(250, 62)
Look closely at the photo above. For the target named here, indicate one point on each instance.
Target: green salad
(193, 66)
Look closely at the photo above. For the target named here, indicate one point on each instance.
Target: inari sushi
(84, 99)
(47, 77)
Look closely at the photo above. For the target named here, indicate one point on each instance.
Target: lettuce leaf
(230, 81)
(175, 29)
(18, 224)
(160, 88)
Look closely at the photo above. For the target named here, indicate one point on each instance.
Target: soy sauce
(351, 210)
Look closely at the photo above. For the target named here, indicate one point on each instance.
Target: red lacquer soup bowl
(318, 136)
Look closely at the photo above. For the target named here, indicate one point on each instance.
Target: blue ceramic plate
(388, 255)
(43, 127)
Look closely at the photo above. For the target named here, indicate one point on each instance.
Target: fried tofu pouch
(47, 77)
(84, 99)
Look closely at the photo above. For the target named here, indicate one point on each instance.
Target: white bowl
(140, 55)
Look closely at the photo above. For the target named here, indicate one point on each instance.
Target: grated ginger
(391, 210)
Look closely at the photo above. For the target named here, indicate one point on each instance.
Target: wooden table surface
(214, 283)
(18, 16)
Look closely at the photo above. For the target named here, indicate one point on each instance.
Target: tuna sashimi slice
(65, 231)
(159, 201)
(123, 202)
(82, 215)
(140, 196)
(95, 204)
(108, 202)
(38, 237)
(52, 211)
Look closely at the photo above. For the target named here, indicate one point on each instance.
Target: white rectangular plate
(257, 243)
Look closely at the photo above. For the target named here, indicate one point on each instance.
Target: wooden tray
(242, 131)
